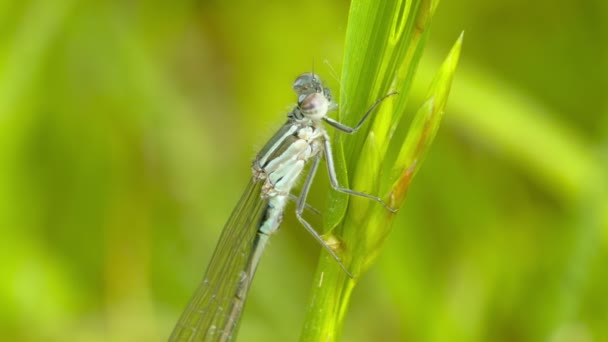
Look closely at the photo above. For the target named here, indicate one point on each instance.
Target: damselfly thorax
(282, 159)
(281, 162)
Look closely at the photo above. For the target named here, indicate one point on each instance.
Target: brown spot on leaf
(400, 188)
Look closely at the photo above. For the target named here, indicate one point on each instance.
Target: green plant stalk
(356, 227)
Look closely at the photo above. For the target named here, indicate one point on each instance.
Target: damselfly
(213, 312)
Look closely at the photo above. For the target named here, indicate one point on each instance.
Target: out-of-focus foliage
(127, 129)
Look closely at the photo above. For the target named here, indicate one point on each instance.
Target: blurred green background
(127, 129)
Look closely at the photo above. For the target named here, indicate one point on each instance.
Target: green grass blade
(384, 43)
(424, 128)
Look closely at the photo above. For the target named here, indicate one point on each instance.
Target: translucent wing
(214, 310)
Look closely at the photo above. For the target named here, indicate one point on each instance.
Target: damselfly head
(314, 101)
(307, 83)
